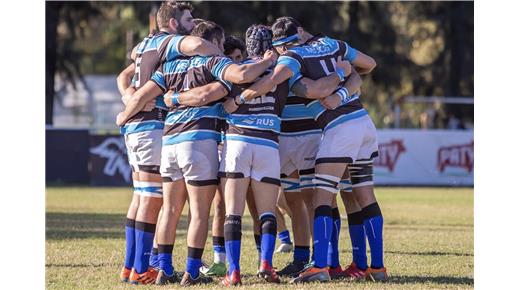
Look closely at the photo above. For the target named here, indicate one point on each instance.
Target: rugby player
(189, 153)
(234, 48)
(250, 157)
(316, 59)
(143, 131)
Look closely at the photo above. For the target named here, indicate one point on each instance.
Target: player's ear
(301, 32)
(173, 23)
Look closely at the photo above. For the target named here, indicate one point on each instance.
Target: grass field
(428, 239)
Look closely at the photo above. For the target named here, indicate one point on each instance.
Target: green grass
(428, 240)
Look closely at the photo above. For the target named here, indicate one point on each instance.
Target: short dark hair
(208, 30)
(197, 20)
(231, 43)
(284, 27)
(259, 38)
(169, 10)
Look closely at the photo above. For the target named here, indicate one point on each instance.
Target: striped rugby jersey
(258, 120)
(151, 52)
(185, 123)
(316, 59)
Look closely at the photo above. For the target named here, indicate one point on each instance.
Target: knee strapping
(361, 173)
(147, 188)
(290, 184)
(268, 223)
(326, 182)
(345, 185)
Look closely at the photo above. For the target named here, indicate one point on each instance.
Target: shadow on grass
(434, 280)
(83, 265)
(430, 253)
(64, 226)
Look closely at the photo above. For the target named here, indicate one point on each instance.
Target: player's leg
(335, 270)
(234, 171)
(235, 191)
(174, 198)
(336, 150)
(147, 154)
(284, 235)
(199, 163)
(251, 205)
(300, 225)
(358, 266)
(265, 184)
(150, 202)
(361, 174)
(130, 231)
(218, 268)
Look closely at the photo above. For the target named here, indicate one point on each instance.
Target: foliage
(422, 48)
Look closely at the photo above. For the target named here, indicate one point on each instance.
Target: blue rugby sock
(268, 229)
(144, 233)
(373, 223)
(322, 233)
(301, 254)
(333, 252)
(233, 238)
(154, 258)
(130, 243)
(358, 239)
(194, 261)
(285, 237)
(164, 257)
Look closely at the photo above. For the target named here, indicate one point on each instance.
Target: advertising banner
(421, 157)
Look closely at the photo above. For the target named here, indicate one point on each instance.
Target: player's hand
(120, 119)
(149, 106)
(345, 66)
(269, 54)
(230, 106)
(331, 102)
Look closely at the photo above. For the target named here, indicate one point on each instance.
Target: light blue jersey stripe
(142, 127)
(190, 136)
(351, 116)
(296, 111)
(255, 121)
(194, 114)
(247, 139)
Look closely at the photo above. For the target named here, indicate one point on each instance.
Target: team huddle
(276, 123)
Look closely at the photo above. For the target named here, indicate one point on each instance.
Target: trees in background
(422, 48)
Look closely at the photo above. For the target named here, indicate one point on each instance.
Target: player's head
(175, 17)
(259, 39)
(287, 32)
(234, 48)
(197, 21)
(210, 31)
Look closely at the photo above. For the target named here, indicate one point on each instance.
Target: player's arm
(145, 94)
(124, 80)
(363, 63)
(192, 45)
(280, 74)
(198, 96)
(246, 73)
(322, 87)
(344, 93)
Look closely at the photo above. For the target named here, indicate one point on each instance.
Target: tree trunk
(51, 26)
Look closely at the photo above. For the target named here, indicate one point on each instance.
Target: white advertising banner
(424, 157)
